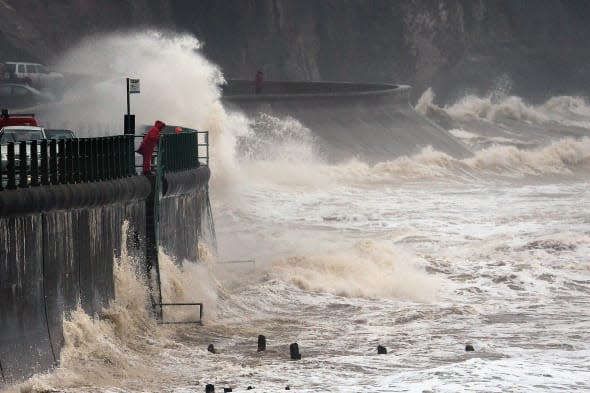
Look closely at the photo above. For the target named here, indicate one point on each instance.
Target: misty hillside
(533, 48)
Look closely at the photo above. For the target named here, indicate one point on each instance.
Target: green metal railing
(66, 161)
(173, 154)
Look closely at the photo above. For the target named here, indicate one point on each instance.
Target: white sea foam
(368, 269)
(564, 110)
(513, 108)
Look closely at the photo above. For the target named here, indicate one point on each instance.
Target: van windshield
(10, 68)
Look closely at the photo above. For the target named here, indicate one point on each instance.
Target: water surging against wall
(337, 239)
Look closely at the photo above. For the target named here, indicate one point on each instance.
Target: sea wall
(59, 244)
(57, 257)
(372, 122)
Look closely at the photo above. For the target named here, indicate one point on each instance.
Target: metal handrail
(164, 322)
(174, 154)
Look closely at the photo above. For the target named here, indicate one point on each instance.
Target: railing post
(102, 142)
(62, 161)
(110, 157)
(162, 157)
(96, 160)
(92, 170)
(107, 157)
(34, 165)
(44, 163)
(83, 160)
(182, 161)
(118, 157)
(207, 144)
(11, 184)
(76, 161)
(53, 161)
(69, 162)
(106, 144)
(196, 162)
(22, 167)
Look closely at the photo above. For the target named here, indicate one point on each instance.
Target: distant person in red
(148, 144)
(259, 82)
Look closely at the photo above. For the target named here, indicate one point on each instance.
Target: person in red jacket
(148, 144)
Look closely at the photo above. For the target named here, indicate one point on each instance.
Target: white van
(36, 74)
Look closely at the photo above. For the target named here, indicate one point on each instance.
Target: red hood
(159, 124)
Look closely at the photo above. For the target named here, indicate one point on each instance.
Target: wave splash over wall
(178, 86)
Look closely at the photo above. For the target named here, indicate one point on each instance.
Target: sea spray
(277, 139)
(189, 282)
(178, 85)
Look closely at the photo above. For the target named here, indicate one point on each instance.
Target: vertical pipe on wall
(43, 284)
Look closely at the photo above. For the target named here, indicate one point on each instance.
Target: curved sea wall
(373, 122)
(59, 246)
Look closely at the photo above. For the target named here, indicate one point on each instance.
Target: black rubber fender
(72, 196)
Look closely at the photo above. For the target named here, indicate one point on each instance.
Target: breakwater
(61, 221)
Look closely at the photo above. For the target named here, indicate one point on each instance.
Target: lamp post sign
(132, 88)
(133, 85)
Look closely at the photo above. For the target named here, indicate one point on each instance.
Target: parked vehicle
(21, 133)
(53, 133)
(17, 119)
(17, 96)
(38, 75)
(18, 134)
